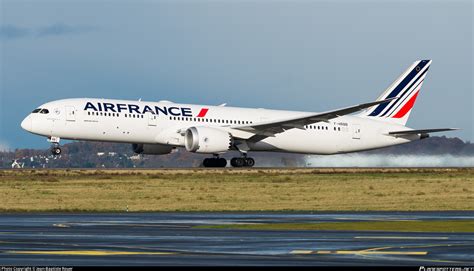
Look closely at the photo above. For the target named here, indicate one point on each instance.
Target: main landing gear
(214, 162)
(55, 147)
(243, 161)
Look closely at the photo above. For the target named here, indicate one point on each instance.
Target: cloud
(364, 160)
(10, 32)
(13, 32)
(61, 29)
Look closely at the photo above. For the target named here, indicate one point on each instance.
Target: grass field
(237, 190)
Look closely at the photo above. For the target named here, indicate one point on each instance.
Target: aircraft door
(152, 119)
(70, 113)
(356, 131)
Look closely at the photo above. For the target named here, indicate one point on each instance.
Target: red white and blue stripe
(406, 88)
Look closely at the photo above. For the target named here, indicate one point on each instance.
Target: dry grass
(237, 190)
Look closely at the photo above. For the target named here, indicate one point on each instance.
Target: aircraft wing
(266, 129)
(422, 131)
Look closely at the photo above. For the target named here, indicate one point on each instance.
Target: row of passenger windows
(317, 127)
(212, 120)
(314, 127)
(172, 118)
(135, 116)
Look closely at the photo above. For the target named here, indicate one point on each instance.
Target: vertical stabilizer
(406, 88)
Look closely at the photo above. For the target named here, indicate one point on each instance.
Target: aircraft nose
(27, 124)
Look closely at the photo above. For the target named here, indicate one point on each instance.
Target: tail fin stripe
(416, 70)
(407, 107)
(407, 91)
(402, 100)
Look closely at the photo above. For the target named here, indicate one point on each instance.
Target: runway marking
(301, 252)
(359, 252)
(381, 252)
(370, 251)
(61, 226)
(403, 237)
(87, 252)
(123, 225)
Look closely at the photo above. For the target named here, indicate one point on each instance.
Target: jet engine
(207, 140)
(151, 148)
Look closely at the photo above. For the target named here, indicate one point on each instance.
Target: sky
(292, 55)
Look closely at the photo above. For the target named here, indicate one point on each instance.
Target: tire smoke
(378, 160)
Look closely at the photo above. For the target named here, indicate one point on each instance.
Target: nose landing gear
(56, 150)
(55, 147)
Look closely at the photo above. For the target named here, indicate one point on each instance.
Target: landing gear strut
(55, 147)
(214, 162)
(242, 161)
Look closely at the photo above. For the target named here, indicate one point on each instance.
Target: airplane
(160, 127)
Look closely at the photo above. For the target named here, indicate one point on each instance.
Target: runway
(172, 239)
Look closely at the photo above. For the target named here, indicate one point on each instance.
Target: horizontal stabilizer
(423, 131)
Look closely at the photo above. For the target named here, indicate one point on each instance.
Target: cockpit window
(36, 110)
(44, 111)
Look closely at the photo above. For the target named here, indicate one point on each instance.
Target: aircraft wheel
(56, 151)
(221, 162)
(249, 162)
(237, 162)
(214, 162)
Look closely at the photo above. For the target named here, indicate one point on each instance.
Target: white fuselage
(164, 122)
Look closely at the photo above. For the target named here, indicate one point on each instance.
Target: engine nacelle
(151, 148)
(207, 140)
